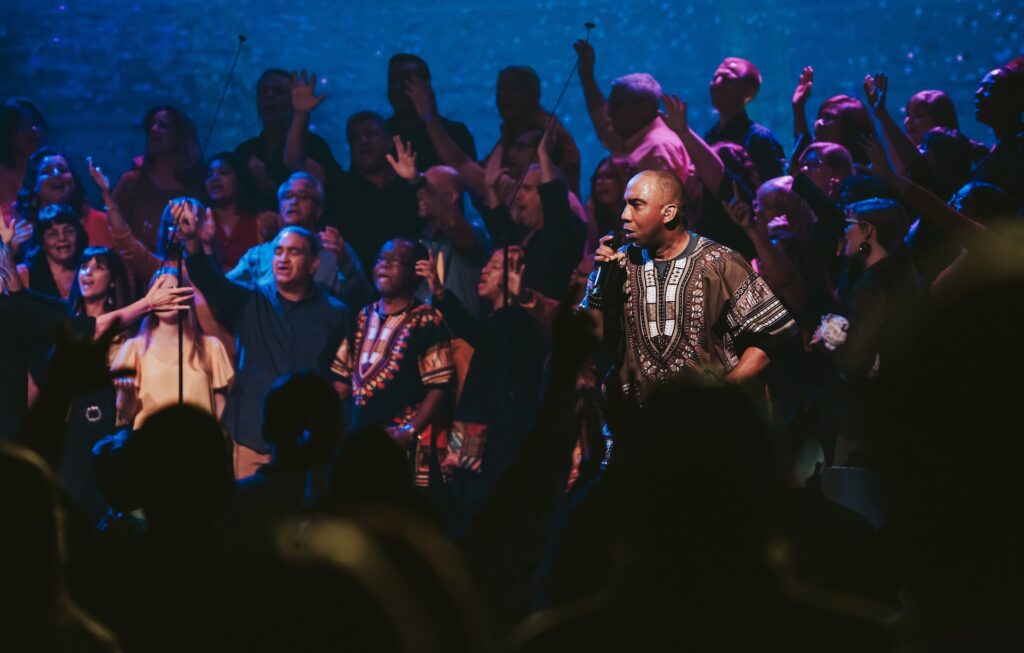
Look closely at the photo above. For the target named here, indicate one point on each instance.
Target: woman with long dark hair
(50, 178)
(234, 201)
(171, 167)
(153, 354)
(101, 286)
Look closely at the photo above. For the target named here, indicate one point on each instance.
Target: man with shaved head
(682, 301)
(458, 245)
(733, 86)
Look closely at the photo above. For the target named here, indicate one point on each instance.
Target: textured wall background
(96, 66)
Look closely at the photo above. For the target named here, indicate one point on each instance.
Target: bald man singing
(683, 301)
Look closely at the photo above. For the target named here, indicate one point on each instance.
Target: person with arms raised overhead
(281, 323)
(628, 123)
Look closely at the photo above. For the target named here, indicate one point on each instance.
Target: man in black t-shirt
(265, 152)
(407, 124)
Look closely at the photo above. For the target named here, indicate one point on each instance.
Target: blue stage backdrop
(95, 67)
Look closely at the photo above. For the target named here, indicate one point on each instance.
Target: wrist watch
(419, 182)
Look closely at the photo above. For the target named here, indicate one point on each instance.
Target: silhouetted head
(175, 468)
(517, 94)
(302, 418)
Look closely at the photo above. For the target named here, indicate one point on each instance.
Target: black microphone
(604, 271)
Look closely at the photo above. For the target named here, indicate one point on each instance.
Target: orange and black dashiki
(391, 362)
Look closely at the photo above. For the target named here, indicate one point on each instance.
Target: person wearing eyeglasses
(301, 203)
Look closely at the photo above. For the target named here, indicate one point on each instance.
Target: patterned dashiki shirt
(391, 362)
(699, 311)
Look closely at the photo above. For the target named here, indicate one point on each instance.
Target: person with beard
(397, 364)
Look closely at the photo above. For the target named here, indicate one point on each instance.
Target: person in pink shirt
(628, 122)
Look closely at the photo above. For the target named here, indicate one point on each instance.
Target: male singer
(685, 301)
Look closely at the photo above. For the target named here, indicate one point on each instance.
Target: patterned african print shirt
(391, 362)
(699, 311)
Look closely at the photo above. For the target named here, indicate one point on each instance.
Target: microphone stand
(177, 250)
(515, 191)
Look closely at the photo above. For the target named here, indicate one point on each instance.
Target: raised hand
(304, 98)
(876, 88)
(675, 114)
(422, 96)
(516, 270)
(331, 240)
(405, 163)
(877, 156)
(803, 87)
(98, 177)
(738, 210)
(427, 269)
(586, 55)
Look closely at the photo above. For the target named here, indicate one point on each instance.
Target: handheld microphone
(604, 270)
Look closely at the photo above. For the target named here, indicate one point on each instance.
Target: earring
(864, 250)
